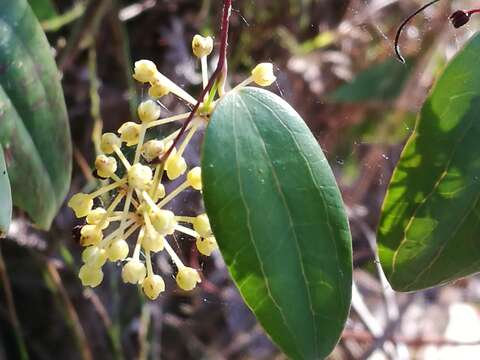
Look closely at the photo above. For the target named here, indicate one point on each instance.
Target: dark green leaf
(5, 197)
(33, 119)
(279, 220)
(380, 82)
(43, 9)
(430, 223)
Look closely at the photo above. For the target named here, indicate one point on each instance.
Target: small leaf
(33, 119)
(379, 82)
(5, 197)
(279, 219)
(430, 224)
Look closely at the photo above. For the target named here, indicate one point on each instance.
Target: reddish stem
(222, 59)
(473, 11)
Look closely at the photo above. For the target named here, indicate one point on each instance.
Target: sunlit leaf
(430, 223)
(279, 220)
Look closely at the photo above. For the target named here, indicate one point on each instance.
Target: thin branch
(222, 60)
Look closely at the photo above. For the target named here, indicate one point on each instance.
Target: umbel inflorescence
(138, 209)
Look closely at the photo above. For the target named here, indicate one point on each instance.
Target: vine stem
(402, 26)
(222, 60)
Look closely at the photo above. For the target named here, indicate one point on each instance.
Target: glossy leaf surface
(5, 197)
(279, 219)
(33, 120)
(430, 224)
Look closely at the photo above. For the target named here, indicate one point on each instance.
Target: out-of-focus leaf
(279, 219)
(5, 197)
(33, 118)
(430, 223)
(55, 23)
(379, 82)
(43, 9)
(384, 128)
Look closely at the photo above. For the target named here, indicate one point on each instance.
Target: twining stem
(405, 23)
(222, 59)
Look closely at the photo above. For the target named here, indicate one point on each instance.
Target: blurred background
(335, 64)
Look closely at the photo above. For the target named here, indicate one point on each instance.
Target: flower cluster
(138, 206)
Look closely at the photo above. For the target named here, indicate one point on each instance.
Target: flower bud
(96, 216)
(175, 166)
(202, 46)
(157, 90)
(151, 240)
(139, 176)
(90, 276)
(94, 256)
(134, 272)
(206, 245)
(160, 193)
(105, 165)
(163, 221)
(109, 140)
(153, 285)
(129, 133)
(263, 75)
(90, 235)
(459, 18)
(118, 250)
(148, 111)
(194, 178)
(187, 278)
(152, 149)
(201, 224)
(81, 204)
(145, 71)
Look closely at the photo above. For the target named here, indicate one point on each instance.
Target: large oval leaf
(430, 223)
(279, 220)
(5, 197)
(33, 118)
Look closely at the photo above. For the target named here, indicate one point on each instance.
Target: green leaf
(428, 233)
(33, 119)
(5, 197)
(43, 9)
(379, 82)
(279, 219)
